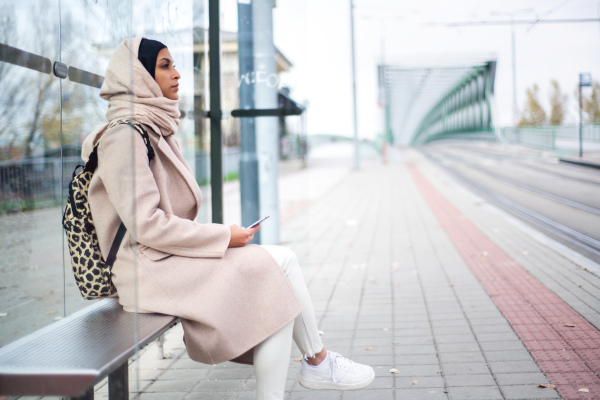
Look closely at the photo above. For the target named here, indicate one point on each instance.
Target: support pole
(216, 141)
(267, 129)
(354, 86)
(249, 188)
(580, 122)
(118, 383)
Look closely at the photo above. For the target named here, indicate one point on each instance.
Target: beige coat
(229, 300)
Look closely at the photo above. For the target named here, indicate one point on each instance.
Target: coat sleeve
(124, 170)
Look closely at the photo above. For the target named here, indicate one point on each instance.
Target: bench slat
(71, 355)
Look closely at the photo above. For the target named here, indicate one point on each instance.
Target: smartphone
(258, 222)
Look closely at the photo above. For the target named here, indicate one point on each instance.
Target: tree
(558, 104)
(533, 114)
(591, 104)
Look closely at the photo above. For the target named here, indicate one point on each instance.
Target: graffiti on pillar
(259, 77)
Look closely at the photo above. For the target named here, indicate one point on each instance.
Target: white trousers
(272, 357)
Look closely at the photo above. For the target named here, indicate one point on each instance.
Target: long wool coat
(229, 300)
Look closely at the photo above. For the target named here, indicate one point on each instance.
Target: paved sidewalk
(392, 289)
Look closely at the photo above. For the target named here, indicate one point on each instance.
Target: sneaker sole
(334, 386)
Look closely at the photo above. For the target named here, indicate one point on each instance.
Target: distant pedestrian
(236, 302)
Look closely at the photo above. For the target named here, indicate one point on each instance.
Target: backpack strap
(112, 254)
(92, 163)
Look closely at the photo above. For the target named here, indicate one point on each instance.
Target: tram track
(548, 168)
(581, 241)
(548, 195)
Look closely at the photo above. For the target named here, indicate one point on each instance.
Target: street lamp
(585, 79)
(514, 56)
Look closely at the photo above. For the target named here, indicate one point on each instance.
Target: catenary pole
(356, 161)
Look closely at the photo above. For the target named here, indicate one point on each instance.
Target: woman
(236, 302)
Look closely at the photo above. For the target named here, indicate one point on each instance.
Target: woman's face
(166, 75)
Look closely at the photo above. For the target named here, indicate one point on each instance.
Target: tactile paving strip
(563, 343)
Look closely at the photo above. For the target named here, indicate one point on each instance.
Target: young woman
(236, 302)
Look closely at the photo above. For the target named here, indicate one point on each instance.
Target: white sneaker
(336, 372)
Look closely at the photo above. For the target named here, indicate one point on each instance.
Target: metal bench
(68, 357)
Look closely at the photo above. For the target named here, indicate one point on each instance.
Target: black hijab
(147, 54)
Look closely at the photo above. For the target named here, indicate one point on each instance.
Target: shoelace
(341, 362)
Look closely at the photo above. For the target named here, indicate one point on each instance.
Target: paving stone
(367, 342)
(372, 360)
(231, 373)
(421, 394)
(219, 385)
(470, 356)
(470, 380)
(496, 337)
(496, 328)
(453, 368)
(474, 392)
(508, 355)
(382, 382)
(499, 367)
(528, 392)
(529, 378)
(458, 347)
(368, 393)
(413, 340)
(162, 396)
(402, 350)
(370, 350)
(171, 385)
(154, 364)
(462, 338)
(186, 364)
(307, 394)
(417, 370)
(487, 321)
(502, 345)
(404, 382)
(452, 330)
(211, 396)
(419, 359)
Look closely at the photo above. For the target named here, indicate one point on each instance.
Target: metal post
(514, 71)
(248, 159)
(580, 122)
(267, 129)
(118, 383)
(216, 141)
(354, 86)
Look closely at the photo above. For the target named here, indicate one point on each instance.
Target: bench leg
(89, 395)
(118, 383)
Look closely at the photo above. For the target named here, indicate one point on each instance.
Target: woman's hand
(241, 236)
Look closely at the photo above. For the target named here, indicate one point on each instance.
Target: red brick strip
(563, 343)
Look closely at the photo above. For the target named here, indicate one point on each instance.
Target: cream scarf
(132, 93)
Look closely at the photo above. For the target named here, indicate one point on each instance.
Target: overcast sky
(315, 35)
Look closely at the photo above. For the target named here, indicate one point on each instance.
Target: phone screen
(258, 222)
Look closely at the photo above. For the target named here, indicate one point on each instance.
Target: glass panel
(31, 263)
(90, 33)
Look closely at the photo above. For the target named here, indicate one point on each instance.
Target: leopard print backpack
(92, 273)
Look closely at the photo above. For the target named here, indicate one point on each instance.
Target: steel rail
(578, 239)
(517, 159)
(559, 199)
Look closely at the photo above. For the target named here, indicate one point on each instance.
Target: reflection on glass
(31, 270)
